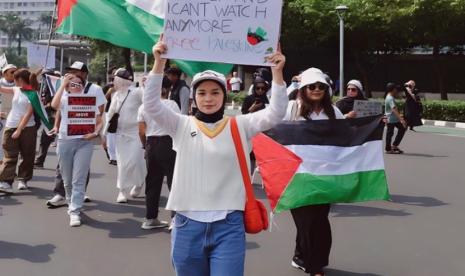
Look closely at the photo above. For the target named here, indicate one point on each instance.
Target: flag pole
(50, 33)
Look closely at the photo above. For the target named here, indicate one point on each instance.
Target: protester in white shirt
(159, 157)
(313, 241)
(75, 140)
(208, 192)
(235, 83)
(20, 133)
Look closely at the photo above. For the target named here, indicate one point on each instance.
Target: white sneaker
(74, 220)
(22, 185)
(154, 224)
(56, 201)
(121, 198)
(6, 188)
(135, 191)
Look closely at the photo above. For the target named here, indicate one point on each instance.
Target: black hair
(307, 105)
(389, 88)
(174, 71)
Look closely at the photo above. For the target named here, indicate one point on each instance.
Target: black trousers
(160, 158)
(313, 240)
(60, 185)
(45, 142)
(390, 133)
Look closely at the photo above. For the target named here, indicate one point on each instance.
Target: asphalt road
(419, 233)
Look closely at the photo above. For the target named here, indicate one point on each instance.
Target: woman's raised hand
(158, 49)
(279, 60)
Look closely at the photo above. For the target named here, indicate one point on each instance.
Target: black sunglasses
(320, 86)
(261, 88)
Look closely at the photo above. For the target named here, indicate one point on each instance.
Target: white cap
(311, 76)
(209, 75)
(8, 67)
(357, 84)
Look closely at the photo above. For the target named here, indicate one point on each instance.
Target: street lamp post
(341, 10)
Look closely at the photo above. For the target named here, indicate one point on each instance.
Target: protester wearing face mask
(208, 193)
(129, 153)
(75, 146)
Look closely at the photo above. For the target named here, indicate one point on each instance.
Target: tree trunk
(439, 72)
(127, 59)
(363, 73)
(19, 45)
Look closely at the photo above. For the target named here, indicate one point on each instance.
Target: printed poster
(81, 115)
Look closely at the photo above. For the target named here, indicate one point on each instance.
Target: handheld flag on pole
(135, 24)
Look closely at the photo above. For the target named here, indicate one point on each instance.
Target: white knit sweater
(207, 175)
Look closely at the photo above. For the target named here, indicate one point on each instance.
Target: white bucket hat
(311, 76)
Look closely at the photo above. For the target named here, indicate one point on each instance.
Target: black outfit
(174, 95)
(413, 110)
(313, 240)
(346, 104)
(390, 132)
(45, 139)
(160, 159)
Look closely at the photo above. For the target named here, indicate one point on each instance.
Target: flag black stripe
(342, 133)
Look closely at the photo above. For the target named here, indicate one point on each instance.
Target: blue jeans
(74, 157)
(203, 249)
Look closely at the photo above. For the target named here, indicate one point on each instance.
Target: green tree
(375, 28)
(16, 29)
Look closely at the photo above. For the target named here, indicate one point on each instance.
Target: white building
(27, 9)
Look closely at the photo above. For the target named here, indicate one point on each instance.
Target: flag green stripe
(38, 108)
(138, 31)
(307, 189)
(109, 21)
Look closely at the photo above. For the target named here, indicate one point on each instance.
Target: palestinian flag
(39, 109)
(322, 161)
(53, 83)
(134, 24)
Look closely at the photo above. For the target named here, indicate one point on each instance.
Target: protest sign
(36, 56)
(81, 115)
(367, 108)
(3, 61)
(227, 31)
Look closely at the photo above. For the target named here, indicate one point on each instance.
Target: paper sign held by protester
(227, 31)
(367, 108)
(81, 115)
(3, 61)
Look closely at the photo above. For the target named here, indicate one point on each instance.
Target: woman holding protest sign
(80, 123)
(354, 93)
(313, 241)
(20, 132)
(208, 190)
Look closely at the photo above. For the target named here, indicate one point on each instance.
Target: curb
(443, 124)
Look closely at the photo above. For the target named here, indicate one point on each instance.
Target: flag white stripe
(154, 7)
(332, 160)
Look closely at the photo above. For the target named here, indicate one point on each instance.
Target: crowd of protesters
(161, 128)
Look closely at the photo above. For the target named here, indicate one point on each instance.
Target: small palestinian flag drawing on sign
(256, 37)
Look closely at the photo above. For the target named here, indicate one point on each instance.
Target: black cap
(78, 65)
(124, 74)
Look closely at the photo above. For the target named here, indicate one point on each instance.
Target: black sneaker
(298, 263)
(113, 162)
(38, 165)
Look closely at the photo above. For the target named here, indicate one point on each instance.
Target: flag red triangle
(64, 9)
(277, 166)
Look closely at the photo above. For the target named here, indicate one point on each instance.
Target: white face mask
(120, 83)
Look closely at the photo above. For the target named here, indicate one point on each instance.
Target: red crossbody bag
(255, 213)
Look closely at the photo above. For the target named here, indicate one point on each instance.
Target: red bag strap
(242, 161)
